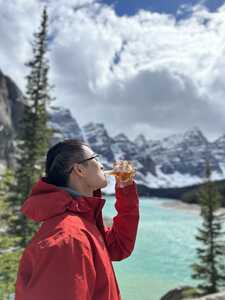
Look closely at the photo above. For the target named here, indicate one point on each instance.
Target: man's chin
(104, 184)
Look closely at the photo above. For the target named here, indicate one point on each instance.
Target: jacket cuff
(127, 196)
(126, 189)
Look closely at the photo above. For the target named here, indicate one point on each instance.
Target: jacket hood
(47, 200)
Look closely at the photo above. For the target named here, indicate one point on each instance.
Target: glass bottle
(124, 170)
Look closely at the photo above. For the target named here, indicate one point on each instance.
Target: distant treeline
(187, 194)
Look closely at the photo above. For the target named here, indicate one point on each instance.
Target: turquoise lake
(164, 250)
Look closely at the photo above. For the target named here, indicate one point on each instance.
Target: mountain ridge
(177, 160)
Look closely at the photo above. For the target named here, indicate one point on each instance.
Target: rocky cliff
(183, 293)
(218, 296)
(11, 111)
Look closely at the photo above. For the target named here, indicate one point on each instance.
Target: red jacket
(69, 258)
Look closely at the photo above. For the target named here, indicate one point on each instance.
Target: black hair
(60, 158)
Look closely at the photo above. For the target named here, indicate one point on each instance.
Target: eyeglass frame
(82, 161)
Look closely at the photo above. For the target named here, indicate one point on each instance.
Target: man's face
(93, 170)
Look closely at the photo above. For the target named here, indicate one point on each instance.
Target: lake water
(164, 250)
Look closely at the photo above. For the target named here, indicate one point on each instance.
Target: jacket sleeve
(65, 271)
(121, 236)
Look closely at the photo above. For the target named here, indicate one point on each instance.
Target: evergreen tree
(34, 137)
(9, 255)
(210, 269)
(33, 141)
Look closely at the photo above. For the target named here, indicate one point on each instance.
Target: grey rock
(176, 294)
(100, 141)
(12, 105)
(65, 126)
(179, 294)
(217, 296)
(184, 153)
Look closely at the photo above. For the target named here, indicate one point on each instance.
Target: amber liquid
(124, 176)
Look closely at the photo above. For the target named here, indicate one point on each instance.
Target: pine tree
(33, 141)
(34, 137)
(210, 270)
(9, 255)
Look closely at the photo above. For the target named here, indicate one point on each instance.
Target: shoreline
(179, 205)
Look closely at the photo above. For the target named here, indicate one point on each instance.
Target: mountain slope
(175, 161)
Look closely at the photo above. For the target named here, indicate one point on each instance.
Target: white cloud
(145, 73)
(18, 20)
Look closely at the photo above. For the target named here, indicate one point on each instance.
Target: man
(69, 258)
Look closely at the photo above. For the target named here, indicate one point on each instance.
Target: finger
(119, 166)
(126, 165)
(123, 166)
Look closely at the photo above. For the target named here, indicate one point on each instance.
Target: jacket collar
(47, 200)
(72, 192)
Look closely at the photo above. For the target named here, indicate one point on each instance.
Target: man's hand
(122, 184)
(126, 173)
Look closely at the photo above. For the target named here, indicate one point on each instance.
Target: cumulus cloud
(148, 73)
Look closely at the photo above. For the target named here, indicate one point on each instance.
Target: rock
(177, 293)
(217, 296)
(65, 126)
(100, 141)
(12, 105)
(190, 293)
(185, 153)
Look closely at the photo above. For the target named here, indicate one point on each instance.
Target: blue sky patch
(131, 7)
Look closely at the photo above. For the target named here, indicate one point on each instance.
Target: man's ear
(79, 170)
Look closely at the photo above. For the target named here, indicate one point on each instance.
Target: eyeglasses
(82, 161)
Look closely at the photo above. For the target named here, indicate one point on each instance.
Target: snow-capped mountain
(175, 161)
(185, 153)
(141, 141)
(217, 148)
(118, 148)
(97, 136)
(65, 126)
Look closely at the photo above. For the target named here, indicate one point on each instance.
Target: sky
(140, 67)
(131, 7)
